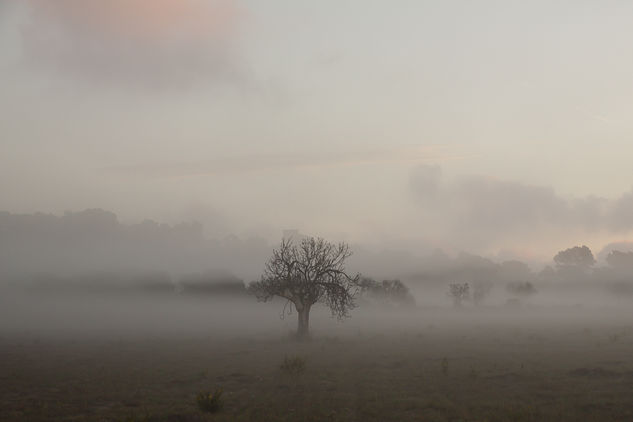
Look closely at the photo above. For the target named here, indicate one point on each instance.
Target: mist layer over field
(105, 357)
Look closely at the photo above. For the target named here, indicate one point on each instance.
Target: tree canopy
(579, 256)
(306, 273)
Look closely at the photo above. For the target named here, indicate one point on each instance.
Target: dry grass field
(496, 364)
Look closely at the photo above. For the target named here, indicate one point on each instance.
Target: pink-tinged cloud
(145, 42)
(140, 19)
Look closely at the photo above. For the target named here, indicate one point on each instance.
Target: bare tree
(459, 292)
(310, 272)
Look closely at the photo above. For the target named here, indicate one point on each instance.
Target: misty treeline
(92, 249)
(386, 292)
(472, 279)
(93, 242)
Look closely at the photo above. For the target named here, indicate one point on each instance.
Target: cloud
(148, 43)
(621, 214)
(289, 161)
(425, 180)
(494, 204)
(480, 211)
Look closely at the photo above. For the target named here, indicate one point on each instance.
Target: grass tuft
(293, 365)
(210, 402)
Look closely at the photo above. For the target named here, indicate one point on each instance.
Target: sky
(495, 127)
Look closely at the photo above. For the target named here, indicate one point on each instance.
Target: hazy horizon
(497, 128)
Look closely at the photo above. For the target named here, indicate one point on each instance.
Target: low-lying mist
(87, 273)
(229, 311)
(113, 322)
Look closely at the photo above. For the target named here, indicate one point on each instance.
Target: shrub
(293, 365)
(210, 402)
(459, 293)
(393, 292)
(521, 288)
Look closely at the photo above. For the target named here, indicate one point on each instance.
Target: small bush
(293, 365)
(210, 402)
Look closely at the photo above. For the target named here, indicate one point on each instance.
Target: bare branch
(309, 272)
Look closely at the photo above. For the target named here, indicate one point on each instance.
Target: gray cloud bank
(486, 209)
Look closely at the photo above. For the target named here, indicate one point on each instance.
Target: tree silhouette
(393, 292)
(310, 272)
(458, 292)
(578, 256)
(620, 260)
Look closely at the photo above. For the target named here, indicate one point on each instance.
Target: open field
(528, 364)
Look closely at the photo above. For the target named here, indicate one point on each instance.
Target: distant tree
(578, 256)
(390, 291)
(620, 260)
(306, 273)
(367, 285)
(398, 292)
(459, 293)
(521, 288)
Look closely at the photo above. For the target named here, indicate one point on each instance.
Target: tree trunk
(303, 328)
